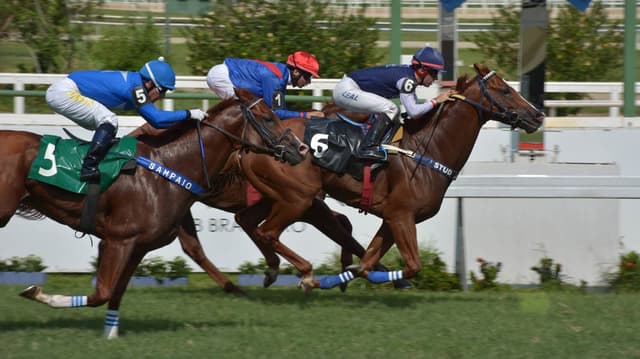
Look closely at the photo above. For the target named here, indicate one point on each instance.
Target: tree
(45, 27)
(270, 30)
(127, 47)
(580, 46)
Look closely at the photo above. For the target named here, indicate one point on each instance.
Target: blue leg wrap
(383, 277)
(329, 282)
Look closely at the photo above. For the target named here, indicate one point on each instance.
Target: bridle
(502, 114)
(276, 146)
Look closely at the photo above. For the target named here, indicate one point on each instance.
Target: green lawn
(200, 321)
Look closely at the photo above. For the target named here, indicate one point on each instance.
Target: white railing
(602, 94)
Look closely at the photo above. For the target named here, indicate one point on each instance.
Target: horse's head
(498, 101)
(269, 129)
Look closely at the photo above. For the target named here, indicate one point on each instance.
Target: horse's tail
(27, 212)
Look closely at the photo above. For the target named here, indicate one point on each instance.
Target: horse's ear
(478, 71)
(481, 69)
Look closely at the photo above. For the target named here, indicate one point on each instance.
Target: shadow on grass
(130, 324)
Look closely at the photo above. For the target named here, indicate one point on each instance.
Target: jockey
(266, 79)
(371, 90)
(88, 98)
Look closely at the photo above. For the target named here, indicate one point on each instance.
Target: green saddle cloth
(59, 162)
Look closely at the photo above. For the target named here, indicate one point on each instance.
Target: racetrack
(200, 321)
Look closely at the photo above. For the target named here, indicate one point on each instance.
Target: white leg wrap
(66, 301)
(111, 322)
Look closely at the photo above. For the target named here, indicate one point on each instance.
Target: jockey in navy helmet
(370, 90)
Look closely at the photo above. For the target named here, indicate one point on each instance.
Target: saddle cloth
(59, 161)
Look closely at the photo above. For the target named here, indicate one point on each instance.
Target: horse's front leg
(403, 233)
(248, 219)
(367, 262)
(112, 318)
(188, 237)
(282, 215)
(113, 256)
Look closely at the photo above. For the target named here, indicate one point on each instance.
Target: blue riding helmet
(429, 57)
(160, 73)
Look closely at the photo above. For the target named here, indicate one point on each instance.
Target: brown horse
(407, 190)
(126, 235)
(230, 195)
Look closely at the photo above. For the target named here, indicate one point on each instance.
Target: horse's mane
(464, 81)
(415, 124)
(156, 138)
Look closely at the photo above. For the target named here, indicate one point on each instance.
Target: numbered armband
(277, 101)
(140, 95)
(408, 86)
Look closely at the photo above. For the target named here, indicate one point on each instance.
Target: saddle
(334, 144)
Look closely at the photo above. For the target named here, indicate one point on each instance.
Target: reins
(275, 147)
(509, 116)
(504, 114)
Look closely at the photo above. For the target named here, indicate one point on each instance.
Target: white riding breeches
(219, 82)
(64, 98)
(348, 95)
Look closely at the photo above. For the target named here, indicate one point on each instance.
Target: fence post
(614, 111)
(18, 101)
(461, 264)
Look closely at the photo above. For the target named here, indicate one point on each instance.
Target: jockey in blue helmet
(371, 89)
(160, 73)
(88, 97)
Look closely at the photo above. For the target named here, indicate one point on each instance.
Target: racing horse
(126, 235)
(407, 190)
(230, 195)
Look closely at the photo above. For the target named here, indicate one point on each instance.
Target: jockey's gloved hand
(197, 114)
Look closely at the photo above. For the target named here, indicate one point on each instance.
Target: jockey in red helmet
(371, 90)
(265, 79)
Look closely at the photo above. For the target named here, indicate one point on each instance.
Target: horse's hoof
(270, 276)
(31, 292)
(354, 268)
(343, 286)
(402, 284)
(235, 290)
(307, 285)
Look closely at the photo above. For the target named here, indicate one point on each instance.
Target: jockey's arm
(160, 118)
(413, 108)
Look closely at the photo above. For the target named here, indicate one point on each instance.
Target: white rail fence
(531, 186)
(600, 94)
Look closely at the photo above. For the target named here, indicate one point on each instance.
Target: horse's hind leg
(190, 243)
(112, 258)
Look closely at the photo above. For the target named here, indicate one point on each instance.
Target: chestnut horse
(127, 235)
(230, 195)
(409, 189)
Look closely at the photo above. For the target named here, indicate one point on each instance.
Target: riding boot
(97, 150)
(370, 147)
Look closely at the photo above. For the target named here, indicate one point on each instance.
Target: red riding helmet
(304, 61)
